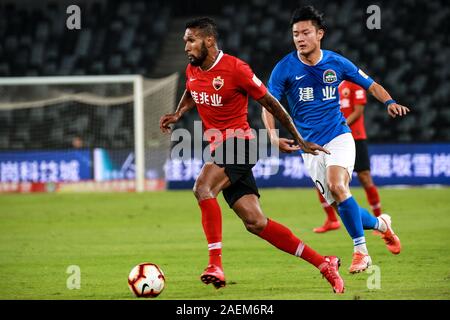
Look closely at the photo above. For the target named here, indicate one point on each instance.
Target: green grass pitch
(41, 235)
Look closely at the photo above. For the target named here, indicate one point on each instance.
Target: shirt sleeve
(359, 95)
(354, 74)
(276, 84)
(248, 81)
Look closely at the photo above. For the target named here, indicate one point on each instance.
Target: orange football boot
(328, 226)
(390, 238)
(360, 262)
(213, 274)
(330, 271)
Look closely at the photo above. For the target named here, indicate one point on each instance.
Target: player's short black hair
(308, 13)
(207, 26)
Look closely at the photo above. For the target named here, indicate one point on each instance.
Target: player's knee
(201, 191)
(255, 225)
(338, 190)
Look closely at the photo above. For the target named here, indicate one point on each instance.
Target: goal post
(88, 97)
(139, 132)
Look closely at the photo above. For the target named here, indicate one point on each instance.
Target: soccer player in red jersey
(353, 98)
(219, 85)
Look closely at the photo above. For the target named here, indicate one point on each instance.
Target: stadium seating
(406, 58)
(126, 37)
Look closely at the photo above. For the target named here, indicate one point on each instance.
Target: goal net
(84, 133)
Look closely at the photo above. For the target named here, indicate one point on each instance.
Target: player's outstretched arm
(273, 108)
(186, 104)
(383, 96)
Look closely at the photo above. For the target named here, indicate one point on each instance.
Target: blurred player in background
(309, 78)
(352, 101)
(219, 85)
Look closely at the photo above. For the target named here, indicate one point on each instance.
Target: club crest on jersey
(329, 76)
(346, 92)
(218, 83)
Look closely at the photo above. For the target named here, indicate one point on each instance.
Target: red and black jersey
(221, 95)
(350, 95)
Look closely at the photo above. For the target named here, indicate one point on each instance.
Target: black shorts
(238, 157)
(362, 161)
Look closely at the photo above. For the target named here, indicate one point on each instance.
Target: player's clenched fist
(167, 120)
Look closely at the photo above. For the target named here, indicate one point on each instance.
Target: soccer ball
(146, 280)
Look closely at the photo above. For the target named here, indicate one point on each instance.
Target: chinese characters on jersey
(307, 94)
(214, 100)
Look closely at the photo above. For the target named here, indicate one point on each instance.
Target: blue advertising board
(113, 164)
(119, 164)
(391, 164)
(45, 166)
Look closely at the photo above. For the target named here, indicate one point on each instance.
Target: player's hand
(312, 148)
(167, 120)
(286, 145)
(395, 110)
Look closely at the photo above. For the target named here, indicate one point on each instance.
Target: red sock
(282, 238)
(212, 226)
(374, 200)
(329, 210)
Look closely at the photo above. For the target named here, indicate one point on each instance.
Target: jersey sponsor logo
(299, 77)
(329, 76)
(359, 94)
(218, 83)
(192, 79)
(345, 103)
(306, 94)
(256, 80)
(329, 93)
(365, 76)
(204, 98)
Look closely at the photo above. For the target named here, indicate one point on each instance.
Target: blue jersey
(313, 95)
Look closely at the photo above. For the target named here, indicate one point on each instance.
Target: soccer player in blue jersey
(309, 77)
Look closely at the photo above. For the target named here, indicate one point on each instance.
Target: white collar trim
(219, 56)
(311, 65)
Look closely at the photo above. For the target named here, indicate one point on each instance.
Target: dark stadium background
(408, 55)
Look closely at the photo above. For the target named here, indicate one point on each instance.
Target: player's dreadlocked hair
(207, 26)
(308, 13)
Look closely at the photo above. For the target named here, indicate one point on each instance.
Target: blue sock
(368, 220)
(351, 217)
